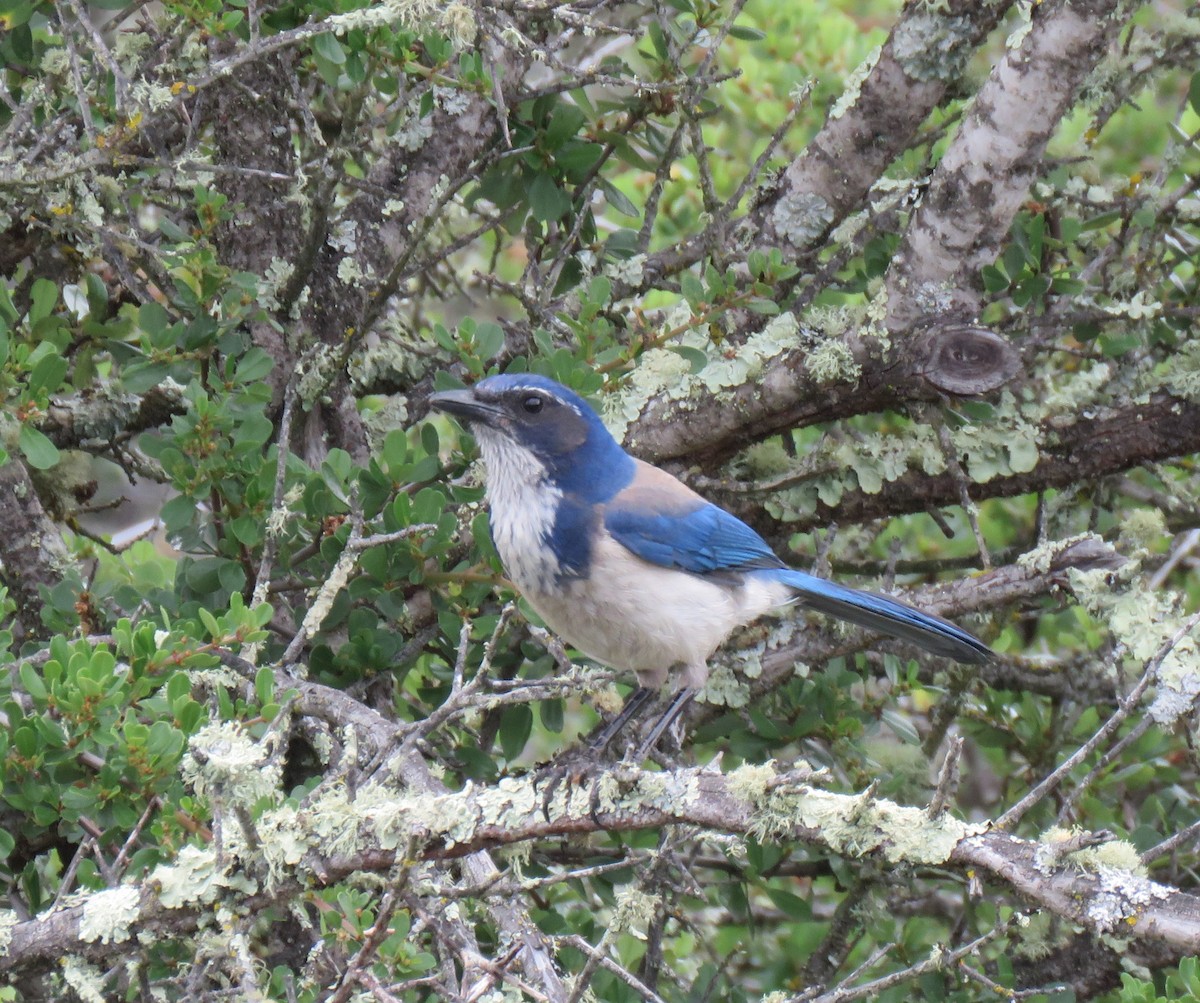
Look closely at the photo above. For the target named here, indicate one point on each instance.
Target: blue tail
(885, 615)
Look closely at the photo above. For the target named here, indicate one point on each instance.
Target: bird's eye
(532, 404)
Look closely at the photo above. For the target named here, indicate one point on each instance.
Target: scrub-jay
(628, 564)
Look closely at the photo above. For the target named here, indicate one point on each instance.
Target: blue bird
(628, 564)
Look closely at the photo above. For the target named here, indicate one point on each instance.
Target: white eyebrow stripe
(533, 389)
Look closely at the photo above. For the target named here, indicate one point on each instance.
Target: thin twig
(1124, 709)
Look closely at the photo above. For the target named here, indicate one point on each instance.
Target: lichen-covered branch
(32, 554)
(1082, 448)
(873, 123)
(994, 158)
(339, 834)
(812, 376)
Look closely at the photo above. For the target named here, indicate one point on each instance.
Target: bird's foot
(581, 773)
(562, 777)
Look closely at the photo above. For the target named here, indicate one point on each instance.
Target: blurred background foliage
(136, 271)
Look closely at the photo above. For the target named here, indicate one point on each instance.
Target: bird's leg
(574, 767)
(633, 703)
(674, 708)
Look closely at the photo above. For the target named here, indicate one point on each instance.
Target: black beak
(463, 404)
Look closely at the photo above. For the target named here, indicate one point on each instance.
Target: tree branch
(985, 174)
(752, 800)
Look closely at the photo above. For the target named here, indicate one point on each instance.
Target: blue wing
(697, 537)
(662, 522)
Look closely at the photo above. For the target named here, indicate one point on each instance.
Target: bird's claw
(574, 769)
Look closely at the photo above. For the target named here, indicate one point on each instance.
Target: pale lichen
(856, 825)
(224, 763)
(333, 821)
(635, 911)
(1140, 306)
(630, 270)
(723, 688)
(1178, 680)
(1120, 898)
(1118, 854)
(1144, 621)
(1181, 373)
(414, 13)
(853, 84)
(155, 97)
(85, 980)
(934, 45)
(274, 280)
(1042, 558)
(1024, 22)
(283, 840)
(751, 781)
(1142, 529)
(8, 920)
(315, 371)
(389, 414)
(416, 130)
(386, 357)
(189, 879)
(661, 371)
(458, 21)
(801, 217)
(351, 271)
(832, 362)
(55, 61)
(108, 916)
(452, 100)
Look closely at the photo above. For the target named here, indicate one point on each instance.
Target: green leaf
(994, 280)
(48, 374)
(546, 199)
(43, 298)
(692, 288)
(696, 358)
(516, 724)
(600, 290)
(551, 713)
(564, 124)
(152, 318)
(8, 312)
(264, 685)
(39, 451)
(32, 682)
(658, 39)
(1194, 93)
(210, 623)
(1066, 286)
(1014, 260)
(746, 33)
(489, 339)
(617, 199)
(97, 296)
(763, 306)
(254, 366)
(329, 48)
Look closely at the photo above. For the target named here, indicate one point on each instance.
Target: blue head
(536, 424)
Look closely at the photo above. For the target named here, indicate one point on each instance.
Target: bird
(628, 564)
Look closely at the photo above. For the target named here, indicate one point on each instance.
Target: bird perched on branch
(630, 565)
